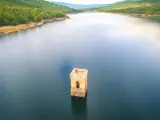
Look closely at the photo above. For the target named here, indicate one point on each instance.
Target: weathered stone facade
(78, 82)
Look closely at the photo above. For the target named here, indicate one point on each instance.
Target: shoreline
(4, 30)
(153, 17)
(139, 15)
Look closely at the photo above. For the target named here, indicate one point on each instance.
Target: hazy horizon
(86, 2)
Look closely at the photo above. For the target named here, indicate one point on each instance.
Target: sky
(87, 1)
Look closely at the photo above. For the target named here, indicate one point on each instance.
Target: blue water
(121, 53)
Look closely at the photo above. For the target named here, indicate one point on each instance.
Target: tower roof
(76, 72)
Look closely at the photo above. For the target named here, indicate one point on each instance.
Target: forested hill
(36, 4)
(13, 12)
(147, 7)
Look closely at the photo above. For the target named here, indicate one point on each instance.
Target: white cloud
(87, 1)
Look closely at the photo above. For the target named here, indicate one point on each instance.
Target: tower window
(77, 84)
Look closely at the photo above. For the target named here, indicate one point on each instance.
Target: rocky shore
(16, 28)
(152, 17)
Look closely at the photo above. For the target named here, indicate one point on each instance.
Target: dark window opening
(77, 84)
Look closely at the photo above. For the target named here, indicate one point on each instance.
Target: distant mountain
(80, 6)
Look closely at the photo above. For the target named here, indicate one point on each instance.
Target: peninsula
(23, 14)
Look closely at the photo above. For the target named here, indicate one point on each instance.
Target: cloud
(87, 1)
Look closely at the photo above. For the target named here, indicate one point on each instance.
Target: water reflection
(65, 67)
(123, 65)
(79, 108)
(5, 100)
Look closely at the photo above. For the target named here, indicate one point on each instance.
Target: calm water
(121, 53)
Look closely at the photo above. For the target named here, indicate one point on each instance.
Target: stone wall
(80, 77)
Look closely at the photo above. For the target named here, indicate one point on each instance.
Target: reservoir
(121, 54)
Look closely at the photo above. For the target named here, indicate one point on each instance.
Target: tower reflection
(79, 108)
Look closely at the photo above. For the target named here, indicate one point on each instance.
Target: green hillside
(145, 7)
(13, 12)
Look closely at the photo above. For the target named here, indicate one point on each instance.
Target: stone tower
(78, 82)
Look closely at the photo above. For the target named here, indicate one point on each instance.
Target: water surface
(121, 53)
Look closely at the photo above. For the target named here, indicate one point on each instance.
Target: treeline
(19, 15)
(36, 4)
(148, 7)
(152, 10)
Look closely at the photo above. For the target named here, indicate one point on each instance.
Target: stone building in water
(78, 82)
